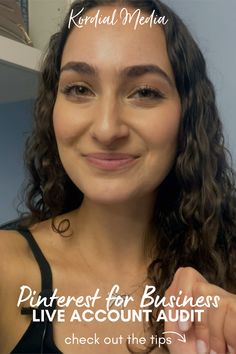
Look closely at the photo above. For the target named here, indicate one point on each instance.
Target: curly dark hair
(194, 219)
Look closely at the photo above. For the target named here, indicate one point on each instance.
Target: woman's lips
(112, 162)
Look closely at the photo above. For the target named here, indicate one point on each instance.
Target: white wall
(16, 124)
(213, 25)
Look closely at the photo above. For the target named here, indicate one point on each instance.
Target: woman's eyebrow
(80, 67)
(139, 70)
(129, 71)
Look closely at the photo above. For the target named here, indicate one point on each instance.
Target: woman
(128, 172)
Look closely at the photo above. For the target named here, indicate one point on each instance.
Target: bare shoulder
(17, 268)
(17, 264)
(13, 251)
(16, 253)
(11, 243)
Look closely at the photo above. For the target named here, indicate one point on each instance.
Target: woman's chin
(109, 197)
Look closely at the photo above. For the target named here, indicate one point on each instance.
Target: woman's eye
(147, 93)
(76, 90)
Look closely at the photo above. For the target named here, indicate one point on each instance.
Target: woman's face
(117, 111)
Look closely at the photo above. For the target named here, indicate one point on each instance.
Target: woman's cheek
(66, 123)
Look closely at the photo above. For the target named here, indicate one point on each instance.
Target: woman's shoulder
(16, 255)
(16, 248)
(11, 244)
(14, 252)
(17, 264)
(13, 235)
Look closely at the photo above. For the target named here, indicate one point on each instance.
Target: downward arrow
(182, 337)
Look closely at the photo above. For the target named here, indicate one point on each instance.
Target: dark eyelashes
(142, 93)
(149, 92)
(75, 90)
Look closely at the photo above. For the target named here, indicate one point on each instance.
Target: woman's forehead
(119, 44)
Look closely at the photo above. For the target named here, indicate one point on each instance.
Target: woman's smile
(111, 161)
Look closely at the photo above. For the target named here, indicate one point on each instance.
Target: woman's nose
(108, 124)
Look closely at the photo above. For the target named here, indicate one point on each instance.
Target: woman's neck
(113, 234)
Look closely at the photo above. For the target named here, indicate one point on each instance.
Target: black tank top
(38, 337)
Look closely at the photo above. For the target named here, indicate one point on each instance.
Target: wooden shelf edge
(19, 54)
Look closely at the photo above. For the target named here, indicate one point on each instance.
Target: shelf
(19, 67)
